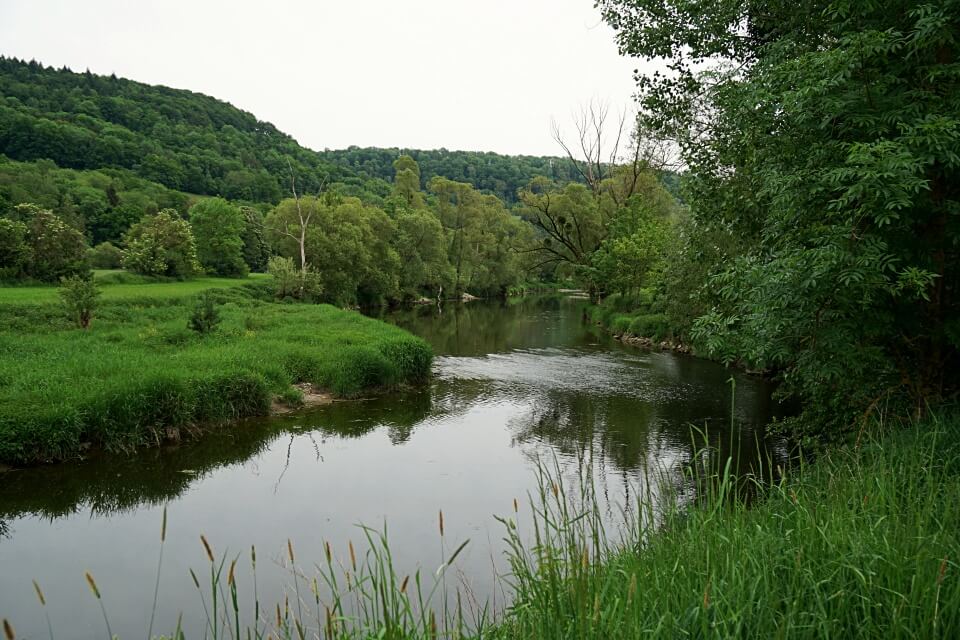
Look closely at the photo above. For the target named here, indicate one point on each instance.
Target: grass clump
(140, 372)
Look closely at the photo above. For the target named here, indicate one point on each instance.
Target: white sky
(485, 75)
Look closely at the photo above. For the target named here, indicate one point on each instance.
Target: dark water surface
(512, 382)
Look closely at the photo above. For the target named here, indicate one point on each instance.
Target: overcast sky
(479, 75)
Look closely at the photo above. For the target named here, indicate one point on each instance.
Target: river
(513, 383)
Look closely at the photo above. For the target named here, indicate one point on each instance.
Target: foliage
(53, 248)
(100, 203)
(161, 245)
(205, 318)
(610, 237)
(483, 238)
(491, 173)
(138, 371)
(79, 296)
(256, 249)
(105, 256)
(180, 139)
(821, 138)
(15, 253)
(289, 281)
(218, 227)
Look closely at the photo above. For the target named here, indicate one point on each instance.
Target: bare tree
(301, 236)
(607, 146)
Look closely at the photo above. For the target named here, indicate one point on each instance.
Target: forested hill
(197, 144)
(498, 174)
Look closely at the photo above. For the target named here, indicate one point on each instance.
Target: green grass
(139, 370)
(119, 285)
(861, 544)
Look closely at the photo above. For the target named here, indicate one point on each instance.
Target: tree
(421, 247)
(161, 245)
(15, 252)
(821, 137)
(218, 227)
(256, 249)
(406, 182)
(56, 249)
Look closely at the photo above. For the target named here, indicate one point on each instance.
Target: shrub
(621, 324)
(105, 256)
(205, 317)
(79, 297)
(291, 282)
(655, 326)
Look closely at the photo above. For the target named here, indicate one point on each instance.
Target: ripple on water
(644, 376)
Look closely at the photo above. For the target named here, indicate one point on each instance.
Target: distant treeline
(500, 175)
(194, 143)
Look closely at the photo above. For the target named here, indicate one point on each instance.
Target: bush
(105, 256)
(205, 317)
(79, 297)
(161, 245)
(655, 326)
(291, 282)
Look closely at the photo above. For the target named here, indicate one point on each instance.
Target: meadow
(140, 375)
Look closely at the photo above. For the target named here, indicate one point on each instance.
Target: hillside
(197, 144)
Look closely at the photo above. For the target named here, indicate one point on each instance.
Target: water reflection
(514, 383)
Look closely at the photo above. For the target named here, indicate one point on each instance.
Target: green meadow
(139, 374)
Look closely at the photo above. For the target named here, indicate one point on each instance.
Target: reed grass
(139, 371)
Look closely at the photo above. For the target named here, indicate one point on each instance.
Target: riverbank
(140, 376)
(862, 543)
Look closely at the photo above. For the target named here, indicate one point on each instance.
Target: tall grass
(862, 543)
(139, 371)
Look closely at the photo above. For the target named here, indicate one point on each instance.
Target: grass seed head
(8, 631)
(206, 547)
(92, 583)
(36, 587)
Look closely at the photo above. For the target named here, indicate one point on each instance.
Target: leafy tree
(15, 252)
(56, 249)
(161, 245)
(482, 238)
(256, 249)
(421, 247)
(821, 136)
(218, 227)
(406, 182)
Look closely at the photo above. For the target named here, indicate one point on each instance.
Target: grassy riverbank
(862, 543)
(635, 317)
(140, 372)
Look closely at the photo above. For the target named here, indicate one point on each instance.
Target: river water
(513, 383)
